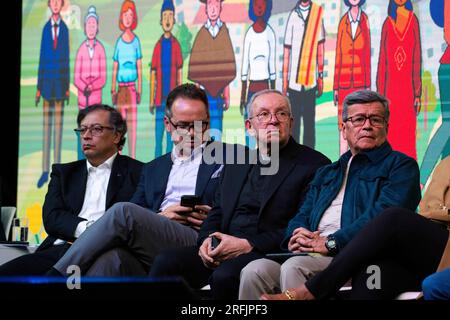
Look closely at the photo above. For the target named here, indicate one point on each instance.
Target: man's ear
(249, 128)
(167, 124)
(343, 131)
(117, 138)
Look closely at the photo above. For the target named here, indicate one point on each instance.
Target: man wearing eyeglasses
(341, 199)
(79, 192)
(127, 238)
(253, 203)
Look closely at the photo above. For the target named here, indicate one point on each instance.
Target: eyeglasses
(265, 116)
(95, 130)
(360, 120)
(188, 126)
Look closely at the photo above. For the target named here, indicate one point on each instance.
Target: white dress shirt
(214, 30)
(331, 218)
(53, 22)
(95, 196)
(304, 11)
(354, 23)
(182, 177)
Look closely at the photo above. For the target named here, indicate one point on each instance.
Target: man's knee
(125, 210)
(257, 269)
(297, 264)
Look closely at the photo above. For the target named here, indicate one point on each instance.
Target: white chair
(7, 218)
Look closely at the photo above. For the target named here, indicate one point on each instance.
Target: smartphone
(214, 242)
(190, 201)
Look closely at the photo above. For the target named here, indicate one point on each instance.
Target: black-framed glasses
(265, 116)
(95, 130)
(360, 120)
(188, 125)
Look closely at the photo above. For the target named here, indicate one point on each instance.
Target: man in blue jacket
(342, 198)
(53, 83)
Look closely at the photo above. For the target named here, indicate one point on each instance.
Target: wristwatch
(331, 245)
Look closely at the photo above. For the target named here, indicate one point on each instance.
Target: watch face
(331, 243)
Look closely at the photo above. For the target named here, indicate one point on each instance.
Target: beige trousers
(267, 276)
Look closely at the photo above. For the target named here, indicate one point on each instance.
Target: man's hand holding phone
(177, 213)
(199, 211)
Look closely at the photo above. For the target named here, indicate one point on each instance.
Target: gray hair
(262, 92)
(363, 97)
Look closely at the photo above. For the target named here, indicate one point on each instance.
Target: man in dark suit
(126, 239)
(251, 208)
(53, 83)
(79, 192)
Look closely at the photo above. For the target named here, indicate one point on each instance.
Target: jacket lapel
(204, 174)
(348, 26)
(287, 162)
(161, 179)
(118, 173)
(79, 179)
(205, 171)
(358, 29)
(237, 176)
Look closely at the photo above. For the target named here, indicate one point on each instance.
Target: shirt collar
(373, 155)
(105, 165)
(208, 24)
(57, 22)
(358, 18)
(87, 43)
(176, 158)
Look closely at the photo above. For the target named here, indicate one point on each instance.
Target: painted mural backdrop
(130, 54)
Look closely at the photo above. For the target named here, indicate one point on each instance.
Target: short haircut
(263, 92)
(363, 97)
(128, 4)
(188, 91)
(115, 120)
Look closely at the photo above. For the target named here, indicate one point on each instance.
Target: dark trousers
(303, 104)
(405, 246)
(34, 264)
(185, 262)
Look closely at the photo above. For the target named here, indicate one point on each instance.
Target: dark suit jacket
(65, 195)
(54, 69)
(155, 175)
(282, 199)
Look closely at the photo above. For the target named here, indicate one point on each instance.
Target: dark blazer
(152, 186)
(282, 199)
(65, 195)
(54, 70)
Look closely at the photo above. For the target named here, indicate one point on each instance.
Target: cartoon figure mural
(90, 66)
(53, 84)
(439, 145)
(303, 63)
(399, 74)
(352, 67)
(127, 68)
(212, 63)
(258, 60)
(165, 73)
